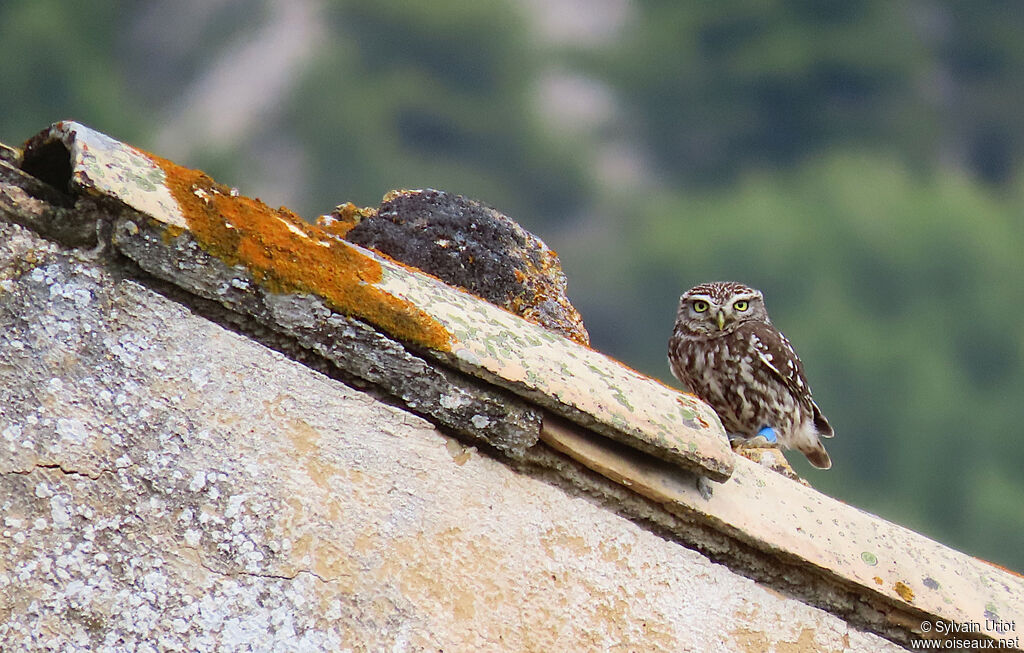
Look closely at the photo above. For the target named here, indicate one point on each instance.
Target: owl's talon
(766, 437)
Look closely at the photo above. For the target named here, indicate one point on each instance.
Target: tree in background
(432, 95)
(59, 61)
(721, 87)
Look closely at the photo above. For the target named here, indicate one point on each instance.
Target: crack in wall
(233, 573)
(74, 472)
(61, 468)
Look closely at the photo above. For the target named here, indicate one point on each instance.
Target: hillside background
(857, 160)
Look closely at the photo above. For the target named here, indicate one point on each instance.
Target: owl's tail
(807, 439)
(820, 423)
(816, 453)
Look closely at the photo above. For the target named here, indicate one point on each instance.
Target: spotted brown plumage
(725, 350)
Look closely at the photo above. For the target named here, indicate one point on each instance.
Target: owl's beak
(720, 320)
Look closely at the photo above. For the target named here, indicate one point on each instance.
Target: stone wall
(170, 484)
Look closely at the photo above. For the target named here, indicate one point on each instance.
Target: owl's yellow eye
(700, 306)
(741, 305)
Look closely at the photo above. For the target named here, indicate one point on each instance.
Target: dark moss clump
(473, 246)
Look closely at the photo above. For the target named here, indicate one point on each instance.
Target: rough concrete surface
(167, 484)
(466, 405)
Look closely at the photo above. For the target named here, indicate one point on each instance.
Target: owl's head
(720, 307)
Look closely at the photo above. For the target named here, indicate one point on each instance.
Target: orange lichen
(541, 291)
(1001, 568)
(344, 216)
(904, 591)
(285, 254)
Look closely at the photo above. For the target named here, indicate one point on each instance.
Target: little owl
(725, 350)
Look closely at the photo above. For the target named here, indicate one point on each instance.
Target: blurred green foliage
(724, 85)
(59, 62)
(721, 86)
(858, 160)
(406, 96)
